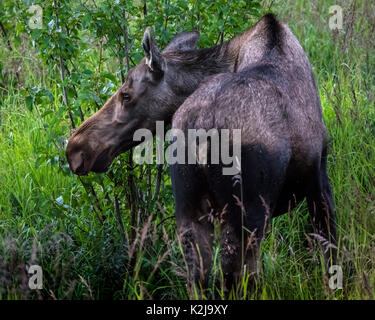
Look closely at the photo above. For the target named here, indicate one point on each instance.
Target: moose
(260, 82)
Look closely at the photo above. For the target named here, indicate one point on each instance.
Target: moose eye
(126, 97)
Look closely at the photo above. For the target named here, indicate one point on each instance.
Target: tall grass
(86, 257)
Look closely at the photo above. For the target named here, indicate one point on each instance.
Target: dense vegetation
(113, 235)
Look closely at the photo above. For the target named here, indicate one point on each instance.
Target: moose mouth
(102, 162)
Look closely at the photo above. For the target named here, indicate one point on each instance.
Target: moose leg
(196, 240)
(321, 207)
(247, 200)
(240, 244)
(242, 218)
(231, 253)
(195, 228)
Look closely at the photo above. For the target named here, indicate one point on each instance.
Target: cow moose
(260, 82)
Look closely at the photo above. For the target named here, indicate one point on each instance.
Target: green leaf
(29, 102)
(87, 73)
(48, 94)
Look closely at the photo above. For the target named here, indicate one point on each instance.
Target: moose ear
(154, 58)
(184, 41)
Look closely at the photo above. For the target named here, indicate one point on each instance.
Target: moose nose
(77, 163)
(78, 157)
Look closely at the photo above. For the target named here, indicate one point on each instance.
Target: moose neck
(191, 67)
(187, 69)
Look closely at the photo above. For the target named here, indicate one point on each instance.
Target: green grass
(48, 218)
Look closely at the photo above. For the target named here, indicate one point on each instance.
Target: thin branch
(119, 219)
(62, 74)
(101, 220)
(158, 182)
(125, 35)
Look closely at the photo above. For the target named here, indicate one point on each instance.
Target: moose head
(152, 92)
